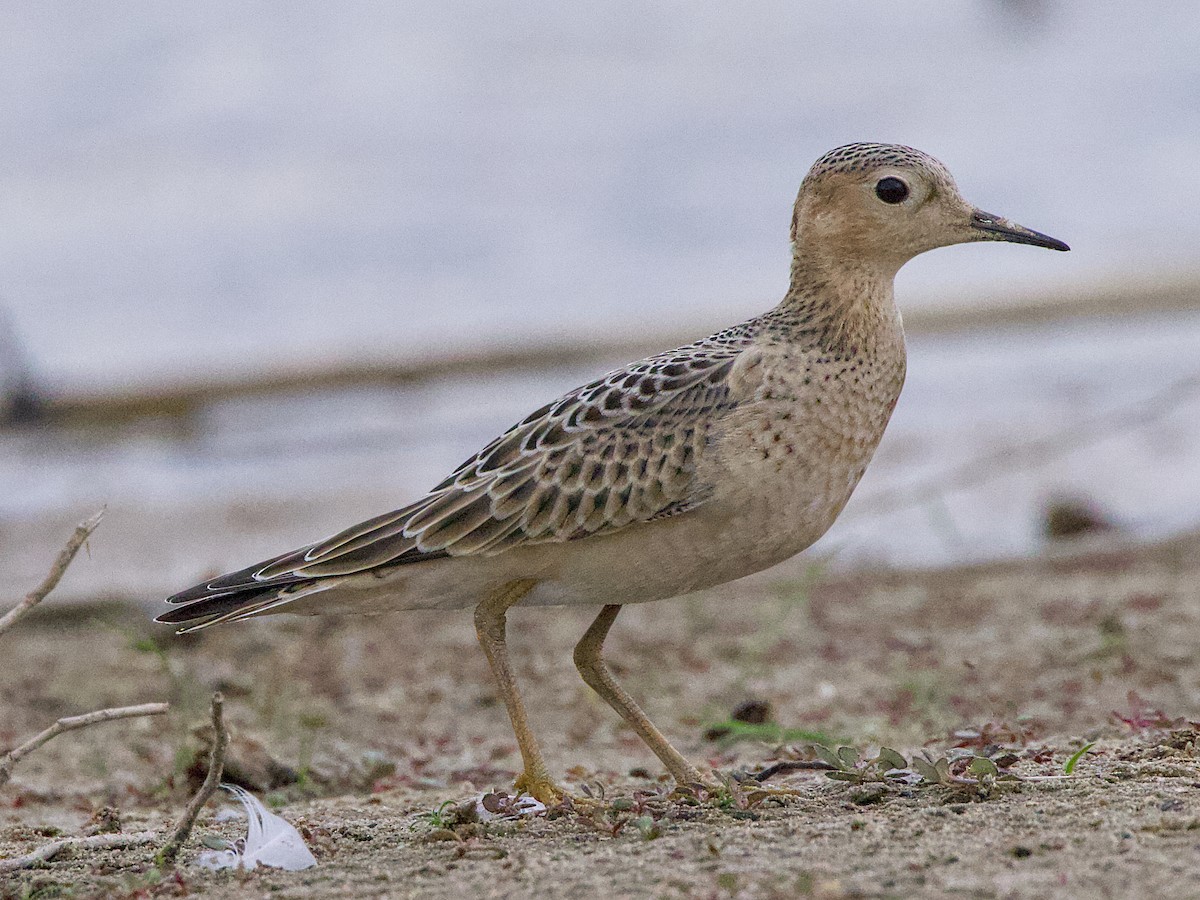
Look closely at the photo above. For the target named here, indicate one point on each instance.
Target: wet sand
(361, 728)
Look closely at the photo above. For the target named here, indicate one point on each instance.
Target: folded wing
(620, 450)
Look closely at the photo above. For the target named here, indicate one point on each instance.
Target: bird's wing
(620, 450)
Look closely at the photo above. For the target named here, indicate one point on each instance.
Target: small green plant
(438, 818)
(1114, 638)
(1069, 768)
(608, 821)
(729, 796)
(731, 731)
(648, 827)
(645, 811)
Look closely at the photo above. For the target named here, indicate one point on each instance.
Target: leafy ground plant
(959, 769)
(1143, 717)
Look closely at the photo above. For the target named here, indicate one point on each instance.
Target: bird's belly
(729, 538)
(652, 562)
(670, 558)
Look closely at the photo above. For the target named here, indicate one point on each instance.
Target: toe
(541, 789)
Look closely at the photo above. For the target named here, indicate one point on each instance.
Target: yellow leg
(490, 626)
(590, 663)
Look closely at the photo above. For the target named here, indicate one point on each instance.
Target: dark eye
(891, 190)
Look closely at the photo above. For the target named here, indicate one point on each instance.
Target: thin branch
(95, 842)
(82, 531)
(791, 765)
(216, 765)
(70, 723)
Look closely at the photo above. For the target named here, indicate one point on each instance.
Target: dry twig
(70, 723)
(216, 765)
(82, 531)
(18, 612)
(95, 842)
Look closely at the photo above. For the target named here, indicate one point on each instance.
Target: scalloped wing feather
(620, 450)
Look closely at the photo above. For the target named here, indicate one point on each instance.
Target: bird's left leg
(490, 626)
(590, 663)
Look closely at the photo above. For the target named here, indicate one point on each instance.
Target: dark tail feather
(215, 605)
(236, 604)
(242, 580)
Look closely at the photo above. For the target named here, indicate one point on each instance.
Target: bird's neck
(839, 301)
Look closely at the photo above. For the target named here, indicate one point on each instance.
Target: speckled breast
(792, 457)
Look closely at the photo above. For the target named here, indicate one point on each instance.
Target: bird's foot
(685, 773)
(693, 783)
(541, 788)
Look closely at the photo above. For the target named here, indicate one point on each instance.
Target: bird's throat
(840, 301)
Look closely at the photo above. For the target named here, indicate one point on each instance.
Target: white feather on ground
(270, 841)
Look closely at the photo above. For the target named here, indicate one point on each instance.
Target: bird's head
(879, 205)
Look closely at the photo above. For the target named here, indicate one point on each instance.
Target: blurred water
(214, 186)
(250, 478)
(193, 190)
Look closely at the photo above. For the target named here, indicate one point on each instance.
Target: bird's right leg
(490, 626)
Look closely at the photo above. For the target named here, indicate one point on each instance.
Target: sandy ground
(359, 730)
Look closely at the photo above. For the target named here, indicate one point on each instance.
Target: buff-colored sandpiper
(679, 472)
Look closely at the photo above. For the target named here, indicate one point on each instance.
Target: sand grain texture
(361, 728)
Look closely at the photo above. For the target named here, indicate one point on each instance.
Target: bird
(680, 472)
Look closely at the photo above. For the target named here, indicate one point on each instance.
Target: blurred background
(268, 270)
